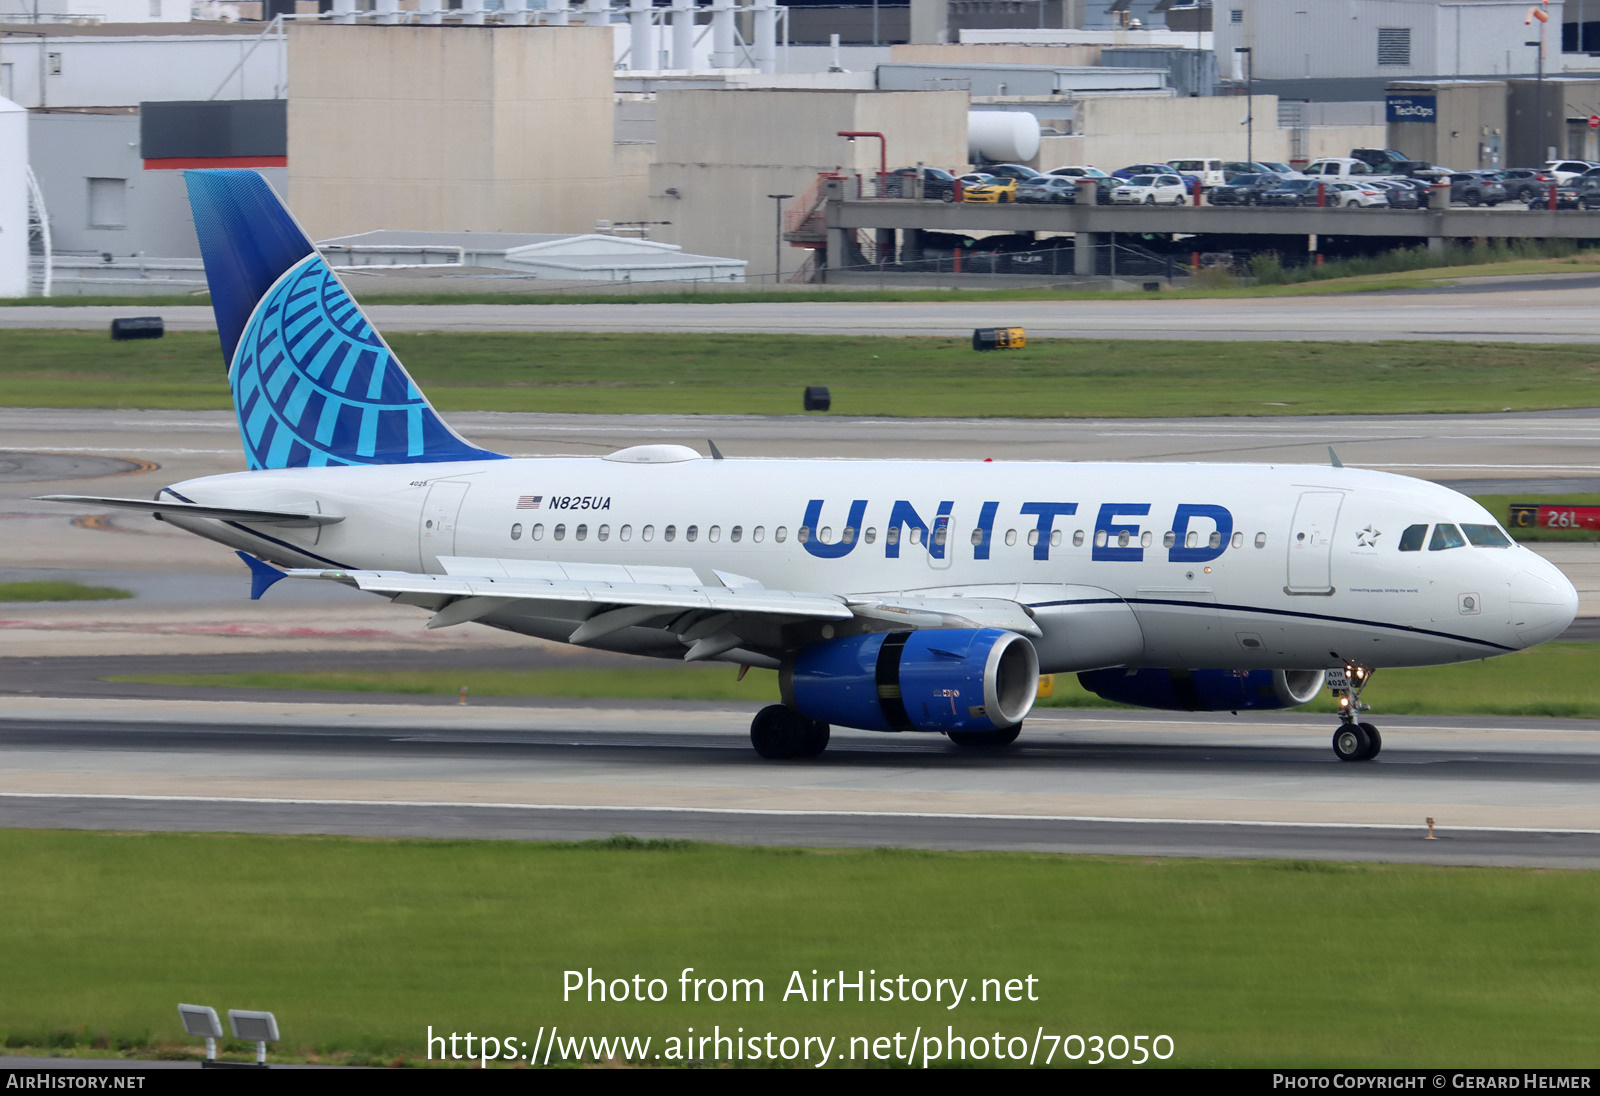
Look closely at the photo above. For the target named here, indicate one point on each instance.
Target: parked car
(993, 190)
(1131, 170)
(1018, 172)
(1337, 167)
(1567, 170)
(938, 185)
(1582, 192)
(1524, 183)
(1278, 168)
(1126, 173)
(1290, 192)
(1151, 190)
(1386, 161)
(1244, 189)
(1475, 190)
(1361, 195)
(1104, 183)
(1400, 194)
(1059, 189)
(1208, 171)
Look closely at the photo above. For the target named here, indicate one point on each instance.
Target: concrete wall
(124, 70)
(492, 129)
(628, 197)
(1320, 141)
(68, 150)
(1115, 131)
(1295, 40)
(108, 11)
(13, 200)
(1528, 143)
(996, 54)
(1469, 130)
(723, 152)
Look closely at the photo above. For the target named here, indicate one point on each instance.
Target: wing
(710, 616)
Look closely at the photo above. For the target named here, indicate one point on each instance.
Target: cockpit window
(1411, 540)
(1446, 536)
(1486, 536)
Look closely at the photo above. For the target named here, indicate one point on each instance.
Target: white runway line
(778, 813)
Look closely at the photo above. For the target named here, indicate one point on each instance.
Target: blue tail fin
(313, 383)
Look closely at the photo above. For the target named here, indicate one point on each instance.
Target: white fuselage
(1271, 567)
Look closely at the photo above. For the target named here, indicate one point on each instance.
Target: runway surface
(1500, 791)
(1549, 310)
(77, 751)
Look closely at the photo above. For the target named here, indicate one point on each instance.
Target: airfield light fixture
(202, 1020)
(259, 1028)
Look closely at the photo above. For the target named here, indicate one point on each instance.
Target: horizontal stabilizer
(221, 513)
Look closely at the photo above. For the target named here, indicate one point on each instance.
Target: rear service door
(436, 534)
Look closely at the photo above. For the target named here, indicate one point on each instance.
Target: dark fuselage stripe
(295, 548)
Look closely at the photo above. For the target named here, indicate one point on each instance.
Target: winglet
(262, 575)
(1334, 457)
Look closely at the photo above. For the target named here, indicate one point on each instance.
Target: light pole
(777, 235)
(1249, 101)
(1538, 86)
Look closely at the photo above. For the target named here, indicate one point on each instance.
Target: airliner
(902, 596)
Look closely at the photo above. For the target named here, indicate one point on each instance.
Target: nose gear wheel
(1354, 740)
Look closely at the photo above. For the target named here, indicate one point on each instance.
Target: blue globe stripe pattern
(292, 415)
(313, 383)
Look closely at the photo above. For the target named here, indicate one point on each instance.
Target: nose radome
(1543, 605)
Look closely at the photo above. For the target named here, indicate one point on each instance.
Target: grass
(1500, 507)
(59, 591)
(1403, 268)
(359, 946)
(868, 375)
(1553, 680)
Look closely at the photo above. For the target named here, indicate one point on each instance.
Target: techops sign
(1412, 108)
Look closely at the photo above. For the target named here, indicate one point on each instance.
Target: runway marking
(775, 812)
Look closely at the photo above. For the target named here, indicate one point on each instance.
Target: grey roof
(471, 241)
(660, 258)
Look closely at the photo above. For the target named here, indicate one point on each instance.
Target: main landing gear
(779, 732)
(984, 740)
(1354, 740)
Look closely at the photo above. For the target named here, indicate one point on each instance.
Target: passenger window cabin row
(913, 535)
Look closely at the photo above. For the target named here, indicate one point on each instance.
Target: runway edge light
(202, 1020)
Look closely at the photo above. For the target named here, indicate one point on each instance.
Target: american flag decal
(529, 502)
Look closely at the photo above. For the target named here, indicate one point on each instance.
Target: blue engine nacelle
(1207, 690)
(942, 679)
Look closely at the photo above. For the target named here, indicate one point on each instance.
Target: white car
(1337, 167)
(1150, 190)
(1345, 195)
(1566, 170)
(1208, 171)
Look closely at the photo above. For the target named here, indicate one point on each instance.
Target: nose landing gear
(1354, 740)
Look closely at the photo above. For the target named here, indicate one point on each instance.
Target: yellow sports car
(992, 190)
